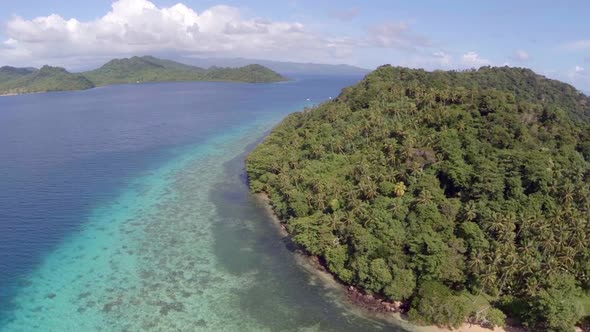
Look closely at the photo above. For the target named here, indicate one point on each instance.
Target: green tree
(435, 304)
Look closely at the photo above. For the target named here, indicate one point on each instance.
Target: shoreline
(354, 299)
(131, 83)
(34, 93)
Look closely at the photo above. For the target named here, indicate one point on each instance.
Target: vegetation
(150, 69)
(43, 80)
(141, 69)
(292, 68)
(249, 74)
(132, 70)
(437, 187)
(9, 73)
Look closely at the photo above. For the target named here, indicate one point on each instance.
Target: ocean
(126, 208)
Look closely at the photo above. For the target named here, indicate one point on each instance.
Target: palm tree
(368, 188)
(568, 255)
(390, 148)
(461, 126)
(400, 189)
(542, 229)
(395, 111)
(532, 286)
(527, 248)
(318, 151)
(525, 224)
(358, 208)
(496, 223)
(549, 265)
(477, 262)
(506, 236)
(528, 264)
(578, 235)
(549, 246)
(568, 194)
(509, 269)
(470, 211)
(488, 280)
(425, 197)
(336, 219)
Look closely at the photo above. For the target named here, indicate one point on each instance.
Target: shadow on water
(285, 296)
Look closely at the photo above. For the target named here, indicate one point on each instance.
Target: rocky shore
(372, 303)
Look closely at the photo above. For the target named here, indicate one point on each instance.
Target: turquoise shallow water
(178, 245)
(144, 260)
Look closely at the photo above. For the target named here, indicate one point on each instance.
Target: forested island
(466, 195)
(133, 70)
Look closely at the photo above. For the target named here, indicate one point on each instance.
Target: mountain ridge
(125, 70)
(283, 67)
(45, 79)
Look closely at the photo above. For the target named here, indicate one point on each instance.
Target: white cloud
(578, 75)
(396, 35)
(473, 60)
(521, 55)
(139, 26)
(444, 59)
(577, 45)
(429, 61)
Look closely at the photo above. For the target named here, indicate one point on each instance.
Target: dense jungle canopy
(442, 188)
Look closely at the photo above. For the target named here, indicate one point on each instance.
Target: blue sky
(553, 38)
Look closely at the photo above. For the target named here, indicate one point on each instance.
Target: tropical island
(132, 70)
(463, 194)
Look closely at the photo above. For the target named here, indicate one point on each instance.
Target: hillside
(142, 69)
(43, 80)
(463, 194)
(285, 68)
(8, 73)
(150, 69)
(249, 74)
(132, 70)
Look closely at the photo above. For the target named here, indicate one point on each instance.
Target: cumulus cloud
(139, 26)
(396, 35)
(444, 59)
(428, 60)
(577, 45)
(134, 27)
(473, 60)
(578, 75)
(521, 55)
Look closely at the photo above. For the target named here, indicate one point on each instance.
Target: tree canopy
(425, 186)
(151, 69)
(43, 80)
(132, 70)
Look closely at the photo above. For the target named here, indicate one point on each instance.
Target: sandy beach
(468, 328)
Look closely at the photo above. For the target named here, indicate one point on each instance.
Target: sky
(550, 37)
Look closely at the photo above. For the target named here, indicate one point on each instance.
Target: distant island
(454, 197)
(132, 70)
(283, 67)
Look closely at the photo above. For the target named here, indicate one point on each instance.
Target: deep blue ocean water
(126, 208)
